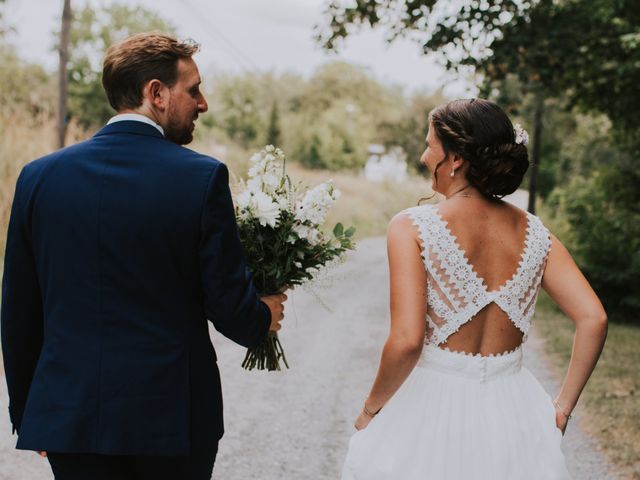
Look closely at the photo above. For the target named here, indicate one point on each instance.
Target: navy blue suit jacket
(119, 249)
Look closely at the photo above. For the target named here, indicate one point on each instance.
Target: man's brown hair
(130, 64)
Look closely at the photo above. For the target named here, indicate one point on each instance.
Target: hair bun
(498, 169)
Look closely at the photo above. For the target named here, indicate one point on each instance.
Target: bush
(602, 214)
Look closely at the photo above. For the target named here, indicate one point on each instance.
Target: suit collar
(129, 126)
(137, 117)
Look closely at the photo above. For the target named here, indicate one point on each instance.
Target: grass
(611, 399)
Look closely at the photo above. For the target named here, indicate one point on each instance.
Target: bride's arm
(567, 286)
(408, 311)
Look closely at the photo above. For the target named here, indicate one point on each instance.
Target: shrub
(602, 214)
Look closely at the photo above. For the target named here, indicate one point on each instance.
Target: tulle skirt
(462, 417)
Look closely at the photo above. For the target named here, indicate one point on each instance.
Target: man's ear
(156, 93)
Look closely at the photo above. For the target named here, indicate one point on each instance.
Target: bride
(451, 399)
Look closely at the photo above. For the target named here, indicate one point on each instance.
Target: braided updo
(480, 132)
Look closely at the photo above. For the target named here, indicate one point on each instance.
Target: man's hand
(275, 304)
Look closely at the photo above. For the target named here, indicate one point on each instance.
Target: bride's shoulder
(410, 221)
(534, 222)
(402, 233)
(418, 212)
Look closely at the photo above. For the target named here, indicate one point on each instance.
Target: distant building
(383, 165)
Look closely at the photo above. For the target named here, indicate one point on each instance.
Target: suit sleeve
(21, 317)
(231, 300)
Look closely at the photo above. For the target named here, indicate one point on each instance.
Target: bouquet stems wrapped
(281, 229)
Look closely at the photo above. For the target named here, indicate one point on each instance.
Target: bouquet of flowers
(280, 227)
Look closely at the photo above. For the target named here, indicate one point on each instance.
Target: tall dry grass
(23, 138)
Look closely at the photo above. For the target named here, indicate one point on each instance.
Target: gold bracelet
(368, 413)
(557, 405)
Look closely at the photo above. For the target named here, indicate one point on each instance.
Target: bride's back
(490, 237)
(484, 258)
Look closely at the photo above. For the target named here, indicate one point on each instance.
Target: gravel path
(296, 424)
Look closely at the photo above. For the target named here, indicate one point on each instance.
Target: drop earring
(453, 172)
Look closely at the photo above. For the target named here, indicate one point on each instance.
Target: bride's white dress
(461, 416)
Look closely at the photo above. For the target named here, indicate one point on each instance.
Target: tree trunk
(535, 151)
(63, 80)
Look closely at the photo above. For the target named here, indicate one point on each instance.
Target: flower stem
(266, 356)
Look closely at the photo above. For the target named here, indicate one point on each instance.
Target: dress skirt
(462, 417)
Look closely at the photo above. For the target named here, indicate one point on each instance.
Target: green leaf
(350, 231)
(338, 230)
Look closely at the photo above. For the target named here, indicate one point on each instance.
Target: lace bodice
(455, 292)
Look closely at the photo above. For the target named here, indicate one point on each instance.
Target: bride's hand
(561, 421)
(362, 421)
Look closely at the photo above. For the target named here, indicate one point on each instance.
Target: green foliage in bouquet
(281, 228)
(277, 263)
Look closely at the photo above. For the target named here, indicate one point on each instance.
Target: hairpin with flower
(522, 137)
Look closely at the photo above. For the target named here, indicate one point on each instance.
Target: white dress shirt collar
(136, 117)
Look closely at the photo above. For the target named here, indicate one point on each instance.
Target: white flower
(522, 137)
(266, 171)
(253, 203)
(243, 200)
(270, 180)
(316, 203)
(310, 234)
(265, 209)
(283, 203)
(254, 184)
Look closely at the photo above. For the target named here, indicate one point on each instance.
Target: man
(119, 250)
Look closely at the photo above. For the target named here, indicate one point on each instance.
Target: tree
(410, 129)
(585, 51)
(273, 130)
(556, 48)
(238, 108)
(463, 36)
(92, 32)
(4, 28)
(63, 79)
(312, 158)
(28, 91)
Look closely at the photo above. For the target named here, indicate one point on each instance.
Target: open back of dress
(455, 292)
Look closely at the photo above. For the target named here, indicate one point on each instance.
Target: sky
(248, 35)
